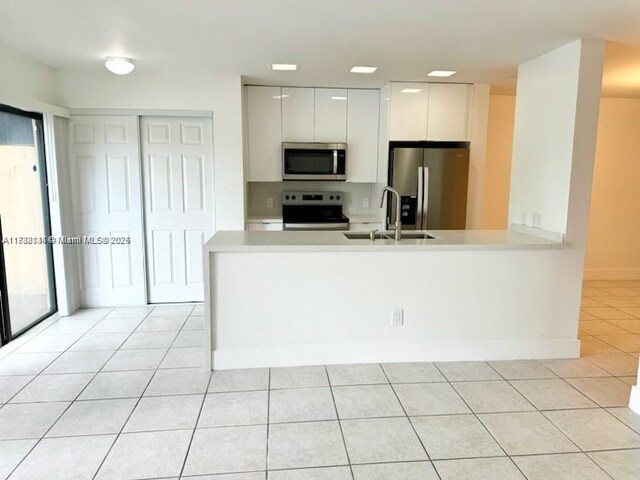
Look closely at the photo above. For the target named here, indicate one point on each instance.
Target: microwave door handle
(420, 198)
(335, 162)
(425, 208)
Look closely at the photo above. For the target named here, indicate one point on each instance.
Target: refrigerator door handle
(419, 211)
(425, 206)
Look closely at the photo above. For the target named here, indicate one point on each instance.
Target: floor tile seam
(406, 415)
(204, 399)
(600, 405)
(481, 422)
(335, 407)
(132, 410)
(266, 455)
(41, 373)
(599, 337)
(598, 408)
(120, 433)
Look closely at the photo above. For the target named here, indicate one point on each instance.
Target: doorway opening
(27, 285)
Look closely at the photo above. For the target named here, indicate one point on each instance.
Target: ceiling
(484, 40)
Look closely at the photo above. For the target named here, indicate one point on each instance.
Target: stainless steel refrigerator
(431, 178)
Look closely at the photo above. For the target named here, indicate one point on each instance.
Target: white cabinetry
(409, 106)
(293, 114)
(448, 112)
(429, 111)
(264, 130)
(330, 115)
(298, 114)
(362, 135)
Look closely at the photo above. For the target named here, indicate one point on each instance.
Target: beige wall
(495, 198)
(614, 230)
(614, 224)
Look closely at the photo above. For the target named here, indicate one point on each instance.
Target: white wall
(221, 94)
(543, 140)
(451, 311)
(27, 84)
(556, 115)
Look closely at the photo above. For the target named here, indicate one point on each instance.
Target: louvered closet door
(178, 189)
(107, 201)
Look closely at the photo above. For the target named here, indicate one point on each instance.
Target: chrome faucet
(398, 225)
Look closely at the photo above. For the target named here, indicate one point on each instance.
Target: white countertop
(320, 241)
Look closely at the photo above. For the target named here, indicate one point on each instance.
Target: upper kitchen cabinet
(362, 135)
(298, 114)
(448, 112)
(409, 105)
(264, 130)
(330, 115)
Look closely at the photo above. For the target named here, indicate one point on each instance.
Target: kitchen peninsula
(308, 298)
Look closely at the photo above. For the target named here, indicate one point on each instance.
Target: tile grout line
(195, 427)
(58, 355)
(121, 432)
(266, 456)
(40, 439)
(406, 415)
(541, 412)
(477, 417)
(335, 407)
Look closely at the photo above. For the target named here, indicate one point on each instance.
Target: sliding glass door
(26, 261)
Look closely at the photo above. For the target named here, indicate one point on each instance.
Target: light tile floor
(121, 394)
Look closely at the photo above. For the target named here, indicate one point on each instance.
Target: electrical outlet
(269, 202)
(397, 319)
(365, 203)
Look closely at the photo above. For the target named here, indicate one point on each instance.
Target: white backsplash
(359, 198)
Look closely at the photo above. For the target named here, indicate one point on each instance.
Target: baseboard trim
(612, 274)
(324, 354)
(634, 401)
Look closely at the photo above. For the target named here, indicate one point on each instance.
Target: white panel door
(177, 164)
(448, 111)
(330, 124)
(409, 103)
(297, 114)
(264, 129)
(362, 136)
(107, 202)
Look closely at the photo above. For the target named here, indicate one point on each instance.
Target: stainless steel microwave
(314, 161)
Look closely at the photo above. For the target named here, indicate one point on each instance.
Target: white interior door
(107, 202)
(178, 189)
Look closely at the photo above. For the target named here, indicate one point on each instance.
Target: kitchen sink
(406, 235)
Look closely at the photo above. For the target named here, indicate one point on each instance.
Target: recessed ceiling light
(410, 90)
(441, 73)
(284, 66)
(338, 98)
(358, 69)
(278, 97)
(119, 65)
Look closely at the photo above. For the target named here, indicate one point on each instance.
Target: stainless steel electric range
(313, 211)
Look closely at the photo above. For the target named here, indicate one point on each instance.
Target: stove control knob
(293, 197)
(286, 197)
(331, 197)
(337, 197)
